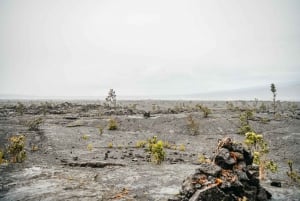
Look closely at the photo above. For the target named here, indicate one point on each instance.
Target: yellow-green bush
(293, 175)
(1, 157)
(141, 143)
(112, 124)
(16, 148)
(156, 150)
(259, 149)
(192, 125)
(34, 124)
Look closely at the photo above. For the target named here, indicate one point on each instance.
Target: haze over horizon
(149, 48)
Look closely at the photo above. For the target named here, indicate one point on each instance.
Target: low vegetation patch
(292, 174)
(259, 148)
(156, 150)
(192, 125)
(34, 124)
(112, 124)
(16, 149)
(206, 111)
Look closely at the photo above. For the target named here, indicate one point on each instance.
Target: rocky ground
(74, 156)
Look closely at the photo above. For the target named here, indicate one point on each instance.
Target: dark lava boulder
(230, 177)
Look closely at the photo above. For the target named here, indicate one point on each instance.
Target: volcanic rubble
(230, 176)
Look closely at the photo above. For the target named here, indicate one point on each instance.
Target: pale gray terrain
(63, 168)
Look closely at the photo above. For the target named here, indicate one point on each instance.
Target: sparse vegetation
(34, 124)
(90, 147)
(292, 107)
(231, 107)
(1, 157)
(110, 145)
(34, 148)
(244, 122)
(141, 143)
(192, 125)
(206, 111)
(85, 137)
(100, 129)
(263, 108)
(156, 149)
(16, 149)
(273, 90)
(111, 99)
(259, 148)
(181, 147)
(20, 108)
(112, 124)
(203, 159)
(293, 175)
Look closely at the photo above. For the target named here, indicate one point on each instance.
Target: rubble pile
(230, 176)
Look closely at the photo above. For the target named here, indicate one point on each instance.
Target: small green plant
(203, 159)
(85, 137)
(231, 107)
(264, 120)
(244, 121)
(110, 145)
(259, 148)
(206, 111)
(273, 90)
(45, 107)
(293, 175)
(292, 107)
(192, 125)
(20, 108)
(34, 124)
(100, 129)
(112, 124)
(141, 143)
(181, 147)
(156, 150)
(1, 157)
(34, 148)
(168, 145)
(89, 147)
(16, 148)
(263, 108)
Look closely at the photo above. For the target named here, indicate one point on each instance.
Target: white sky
(83, 48)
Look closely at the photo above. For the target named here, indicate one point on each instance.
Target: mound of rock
(229, 177)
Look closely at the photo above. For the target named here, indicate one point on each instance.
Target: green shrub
(100, 129)
(192, 125)
(112, 124)
(244, 121)
(181, 147)
(1, 157)
(259, 148)
(16, 148)
(85, 137)
(206, 111)
(141, 143)
(156, 150)
(110, 145)
(89, 147)
(34, 124)
(293, 175)
(20, 108)
(263, 108)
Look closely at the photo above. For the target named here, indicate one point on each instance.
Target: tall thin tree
(273, 90)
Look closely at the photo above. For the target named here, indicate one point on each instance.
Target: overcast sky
(83, 48)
